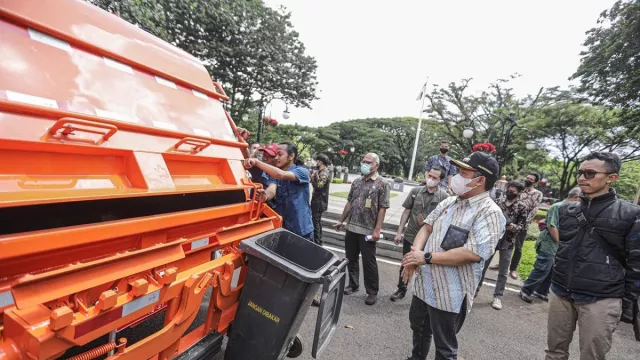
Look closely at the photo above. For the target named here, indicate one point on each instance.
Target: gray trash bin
(285, 272)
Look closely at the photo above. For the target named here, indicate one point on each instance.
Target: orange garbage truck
(128, 226)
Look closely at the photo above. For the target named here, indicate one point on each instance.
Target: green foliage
(541, 214)
(454, 108)
(528, 258)
(249, 47)
(533, 231)
(610, 70)
(573, 130)
(629, 181)
(391, 138)
(337, 181)
(340, 194)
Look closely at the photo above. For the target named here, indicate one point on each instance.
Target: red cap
(270, 149)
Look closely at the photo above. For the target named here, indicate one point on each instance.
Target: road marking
(398, 264)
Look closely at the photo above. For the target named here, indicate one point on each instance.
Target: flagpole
(415, 144)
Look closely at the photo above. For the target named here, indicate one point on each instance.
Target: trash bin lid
(290, 253)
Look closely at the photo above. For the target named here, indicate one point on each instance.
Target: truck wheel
(296, 348)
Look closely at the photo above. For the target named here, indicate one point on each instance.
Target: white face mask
(432, 183)
(459, 185)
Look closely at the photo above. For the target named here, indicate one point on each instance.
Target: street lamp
(285, 114)
(505, 136)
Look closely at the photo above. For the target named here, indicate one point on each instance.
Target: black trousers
(406, 247)
(517, 250)
(354, 244)
(316, 217)
(428, 322)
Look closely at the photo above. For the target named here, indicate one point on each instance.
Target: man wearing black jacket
(596, 277)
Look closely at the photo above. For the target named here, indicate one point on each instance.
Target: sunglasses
(590, 174)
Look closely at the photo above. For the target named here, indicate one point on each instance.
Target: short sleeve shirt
(545, 243)
(292, 202)
(367, 197)
(445, 287)
(421, 203)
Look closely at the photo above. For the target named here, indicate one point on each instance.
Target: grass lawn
(344, 194)
(527, 260)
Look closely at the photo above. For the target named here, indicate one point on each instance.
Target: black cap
(481, 162)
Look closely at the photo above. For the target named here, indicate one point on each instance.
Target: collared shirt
(292, 202)
(320, 183)
(367, 197)
(516, 214)
(531, 199)
(445, 163)
(421, 202)
(266, 181)
(545, 243)
(445, 287)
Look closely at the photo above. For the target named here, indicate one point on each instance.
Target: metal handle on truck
(198, 145)
(68, 125)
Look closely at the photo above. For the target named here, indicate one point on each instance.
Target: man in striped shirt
(448, 257)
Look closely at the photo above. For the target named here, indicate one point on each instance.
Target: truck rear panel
(121, 186)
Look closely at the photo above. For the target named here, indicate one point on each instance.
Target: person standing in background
(531, 198)
(515, 212)
(420, 202)
(444, 161)
(320, 180)
(367, 204)
(539, 280)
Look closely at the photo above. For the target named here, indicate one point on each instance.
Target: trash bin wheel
(296, 348)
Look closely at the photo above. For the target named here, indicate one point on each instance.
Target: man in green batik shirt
(539, 281)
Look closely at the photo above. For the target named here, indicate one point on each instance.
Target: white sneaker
(497, 304)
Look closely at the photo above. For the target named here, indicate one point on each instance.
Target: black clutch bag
(454, 238)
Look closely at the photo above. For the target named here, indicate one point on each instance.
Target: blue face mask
(365, 169)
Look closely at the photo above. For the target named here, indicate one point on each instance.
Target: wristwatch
(427, 257)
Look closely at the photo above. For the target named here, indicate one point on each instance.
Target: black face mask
(528, 183)
(444, 150)
(511, 195)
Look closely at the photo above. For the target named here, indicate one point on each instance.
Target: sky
(373, 56)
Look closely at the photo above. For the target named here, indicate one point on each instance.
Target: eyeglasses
(590, 174)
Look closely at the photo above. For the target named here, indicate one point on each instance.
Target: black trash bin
(285, 272)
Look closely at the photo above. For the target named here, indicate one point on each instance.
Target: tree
(571, 130)
(629, 181)
(609, 70)
(489, 114)
(247, 46)
(391, 138)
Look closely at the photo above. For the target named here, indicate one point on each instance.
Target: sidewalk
(386, 246)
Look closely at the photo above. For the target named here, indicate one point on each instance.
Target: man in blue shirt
(291, 190)
(444, 161)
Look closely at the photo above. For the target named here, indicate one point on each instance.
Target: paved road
(382, 331)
